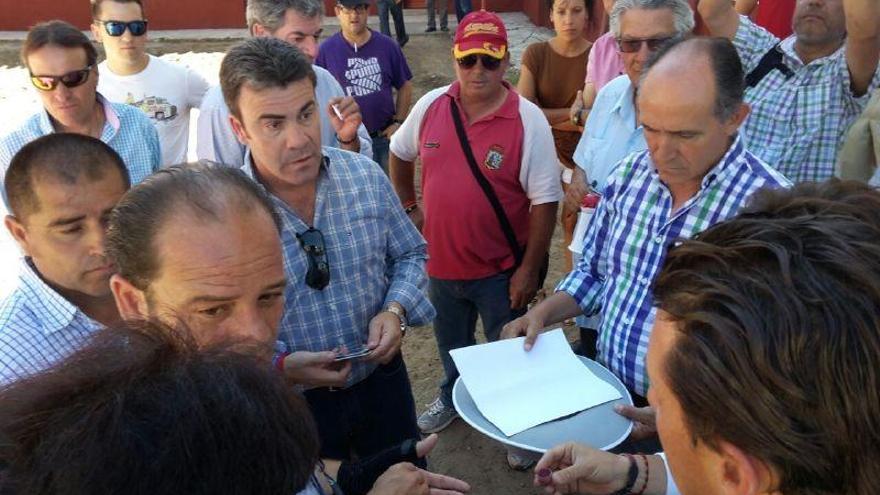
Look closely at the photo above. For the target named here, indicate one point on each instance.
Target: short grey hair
(270, 13)
(261, 63)
(681, 11)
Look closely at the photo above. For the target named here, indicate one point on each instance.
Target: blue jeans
(380, 150)
(396, 14)
(462, 8)
(458, 303)
(367, 417)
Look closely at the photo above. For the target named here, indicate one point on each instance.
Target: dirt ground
(462, 451)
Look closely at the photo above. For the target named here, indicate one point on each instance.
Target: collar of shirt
(787, 47)
(324, 185)
(508, 110)
(720, 171)
(625, 106)
(56, 312)
(111, 120)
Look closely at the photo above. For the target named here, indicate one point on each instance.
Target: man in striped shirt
(695, 173)
(61, 188)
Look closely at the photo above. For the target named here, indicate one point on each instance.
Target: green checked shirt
(798, 124)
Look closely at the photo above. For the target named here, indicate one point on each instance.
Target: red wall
(18, 15)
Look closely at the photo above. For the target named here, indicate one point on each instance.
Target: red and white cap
(480, 32)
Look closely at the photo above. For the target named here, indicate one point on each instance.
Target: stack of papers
(517, 390)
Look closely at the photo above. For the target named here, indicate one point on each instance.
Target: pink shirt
(604, 63)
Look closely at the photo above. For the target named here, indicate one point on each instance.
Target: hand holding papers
(517, 390)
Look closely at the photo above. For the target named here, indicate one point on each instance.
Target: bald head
(694, 66)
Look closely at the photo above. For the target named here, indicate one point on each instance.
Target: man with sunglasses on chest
(62, 64)
(354, 261)
(164, 91)
(482, 261)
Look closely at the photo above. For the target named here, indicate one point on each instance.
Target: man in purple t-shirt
(369, 66)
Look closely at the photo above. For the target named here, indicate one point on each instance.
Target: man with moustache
(806, 90)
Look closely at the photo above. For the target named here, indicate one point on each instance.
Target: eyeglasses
(312, 242)
(70, 80)
(633, 46)
(469, 61)
(359, 8)
(117, 28)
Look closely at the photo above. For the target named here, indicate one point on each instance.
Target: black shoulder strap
(771, 60)
(485, 186)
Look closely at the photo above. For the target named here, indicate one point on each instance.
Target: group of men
(301, 246)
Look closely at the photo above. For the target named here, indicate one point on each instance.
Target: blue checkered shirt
(126, 129)
(627, 240)
(798, 124)
(38, 327)
(375, 253)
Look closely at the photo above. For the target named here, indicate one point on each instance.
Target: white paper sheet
(517, 390)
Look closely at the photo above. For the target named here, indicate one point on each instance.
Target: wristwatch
(397, 309)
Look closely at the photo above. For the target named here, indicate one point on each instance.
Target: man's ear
(259, 30)
(130, 301)
(96, 32)
(238, 129)
(18, 232)
(743, 474)
(736, 120)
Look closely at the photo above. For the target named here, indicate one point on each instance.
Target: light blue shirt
(38, 327)
(215, 140)
(375, 254)
(610, 133)
(126, 129)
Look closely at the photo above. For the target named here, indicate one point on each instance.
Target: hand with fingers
(316, 369)
(580, 469)
(385, 337)
(345, 117)
(644, 420)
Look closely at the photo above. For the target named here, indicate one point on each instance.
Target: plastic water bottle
(588, 207)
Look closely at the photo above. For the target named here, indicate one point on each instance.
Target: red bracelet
(647, 474)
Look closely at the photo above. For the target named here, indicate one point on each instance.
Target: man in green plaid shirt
(815, 83)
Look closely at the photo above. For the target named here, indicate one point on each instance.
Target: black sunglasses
(312, 242)
(117, 28)
(632, 46)
(70, 80)
(489, 62)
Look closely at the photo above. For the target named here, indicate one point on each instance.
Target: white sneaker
(437, 417)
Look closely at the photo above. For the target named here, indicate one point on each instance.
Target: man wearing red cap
(488, 218)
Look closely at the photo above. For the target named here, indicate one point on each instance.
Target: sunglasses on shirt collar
(117, 28)
(489, 62)
(312, 242)
(71, 79)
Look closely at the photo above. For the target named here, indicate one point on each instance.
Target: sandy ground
(462, 451)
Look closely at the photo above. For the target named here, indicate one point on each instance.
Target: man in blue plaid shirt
(695, 173)
(355, 263)
(815, 83)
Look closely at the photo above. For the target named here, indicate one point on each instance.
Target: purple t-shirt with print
(368, 74)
